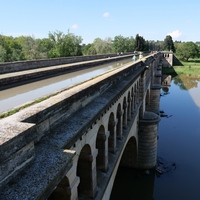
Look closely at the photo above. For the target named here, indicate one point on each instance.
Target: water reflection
(195, 94)
(178, 145)
(179, 140)
(133, 184)
(190, 83)
(187, 82)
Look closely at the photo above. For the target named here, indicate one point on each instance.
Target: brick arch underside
(84, 169)
(129, 157)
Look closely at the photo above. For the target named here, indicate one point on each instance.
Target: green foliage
(168, 44)
(64, 45)
(29, 48)
(98, 46)
(187, 50)
(43, 46)
(140, 44)
(154, 45)
(2, 54)
(122, 44)
(59, 44)
(11, 50)
(85, 49)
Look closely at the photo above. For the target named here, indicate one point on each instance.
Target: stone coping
(36, 181)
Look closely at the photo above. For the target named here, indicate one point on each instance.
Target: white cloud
(175, 34)
(74, 26)
(106, 14)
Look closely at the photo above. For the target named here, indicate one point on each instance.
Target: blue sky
(90, 19)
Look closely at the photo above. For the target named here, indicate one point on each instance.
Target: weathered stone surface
(53, 133)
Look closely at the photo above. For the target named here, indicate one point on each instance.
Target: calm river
(178, 149)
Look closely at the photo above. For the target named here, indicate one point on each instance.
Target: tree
(102, 46)
(29, 48)
(12, 49)
(43, 47)
(64, 45)
(154, 45)
(118, 43)
(2, 54)
(85, 49)
(187, 50)
(130, 44)
(140, 43)
(122, 44)
(168, 44)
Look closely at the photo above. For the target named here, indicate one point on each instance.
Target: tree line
(59, 44)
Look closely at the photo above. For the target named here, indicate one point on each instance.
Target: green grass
(191, 67)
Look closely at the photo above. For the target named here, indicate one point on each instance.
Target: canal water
(178, 149)
(17, 96)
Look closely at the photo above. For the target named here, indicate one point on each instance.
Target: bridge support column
(132, 104)
(129, 108)
(154, 105)
(102, 146)
(87, 172)
(125, 115)
(158, 75)
(67, 188)
(147, 140)
(113, 136)
(119, 124)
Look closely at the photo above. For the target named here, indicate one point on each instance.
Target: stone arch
(85, 171)
(101, 145)
(129, 157)
(119, 121)
(62, 191)
(112, 136)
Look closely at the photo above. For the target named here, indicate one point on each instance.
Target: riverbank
(191, 67)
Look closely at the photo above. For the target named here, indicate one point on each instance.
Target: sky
(90, 19)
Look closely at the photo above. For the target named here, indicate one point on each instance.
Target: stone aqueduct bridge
(71, 145)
